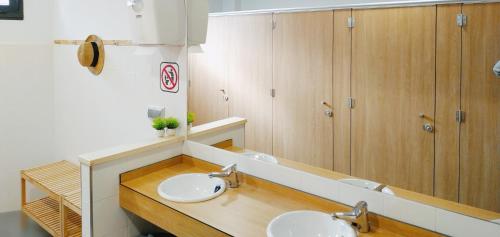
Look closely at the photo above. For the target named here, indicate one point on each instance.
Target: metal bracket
(460, 116)
(461, 20)
(350, 103)
(350, 22)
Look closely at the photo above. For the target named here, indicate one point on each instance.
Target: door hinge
(350, 102)
(461, 20)
(460, 116)
(274, 24)
(273, 93)
(350, 22)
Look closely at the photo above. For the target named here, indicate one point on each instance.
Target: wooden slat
(57, 178)
(46, 213)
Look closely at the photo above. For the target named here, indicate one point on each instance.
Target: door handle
(328, 111)
(224, 95)
(428, 128)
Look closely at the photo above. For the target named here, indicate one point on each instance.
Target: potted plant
(172, 124)
(190, 119)
(159, 124)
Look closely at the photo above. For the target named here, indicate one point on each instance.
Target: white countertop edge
(217, 126)
(118, 152)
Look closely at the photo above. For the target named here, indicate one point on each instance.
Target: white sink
(308, 223)
(362, 183)
(261, 156)
(191, 188)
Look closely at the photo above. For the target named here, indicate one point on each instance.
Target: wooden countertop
(244, 211)
(406, 194)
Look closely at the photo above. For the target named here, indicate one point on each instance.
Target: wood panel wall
(435, 68)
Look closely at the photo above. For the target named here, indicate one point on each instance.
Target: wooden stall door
(249, 73)
(448, 72)
(341, 91)
(480, 132)
(393, 82)
(207, 75)
(302, 77)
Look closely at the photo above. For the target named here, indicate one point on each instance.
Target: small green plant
(190, 117)
(159, 123)
(172, 123)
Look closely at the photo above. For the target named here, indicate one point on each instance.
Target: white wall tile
(458, 225)
(106, 177)
(108, 216)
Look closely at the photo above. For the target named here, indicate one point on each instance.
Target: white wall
(26, 98)
(96, 112)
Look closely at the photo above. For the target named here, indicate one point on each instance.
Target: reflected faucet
(357, 217)
(230, 173)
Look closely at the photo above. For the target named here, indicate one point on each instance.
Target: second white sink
(191, 188)
(362, 183)
(308, 223)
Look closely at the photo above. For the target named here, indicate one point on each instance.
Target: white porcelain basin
(261, 156)
(308, 224)
(191, 188)
(362, 183)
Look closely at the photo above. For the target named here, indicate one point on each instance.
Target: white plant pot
(190, 126)
(160, 133)
(170, 132)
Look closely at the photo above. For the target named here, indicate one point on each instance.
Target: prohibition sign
(169, 77)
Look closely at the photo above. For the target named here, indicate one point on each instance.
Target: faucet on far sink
(357, 217)
(230, 173)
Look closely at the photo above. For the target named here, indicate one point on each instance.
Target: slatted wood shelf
(60, 212)
(46, 213)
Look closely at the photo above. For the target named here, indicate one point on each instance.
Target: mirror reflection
(402, 99)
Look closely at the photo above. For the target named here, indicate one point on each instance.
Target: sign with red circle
(169, 77)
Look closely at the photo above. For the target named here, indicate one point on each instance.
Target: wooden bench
(60, 212)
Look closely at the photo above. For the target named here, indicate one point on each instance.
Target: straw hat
(91, 54)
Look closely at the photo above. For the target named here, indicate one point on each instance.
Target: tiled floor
(17, 224)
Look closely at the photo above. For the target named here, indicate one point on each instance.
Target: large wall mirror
(401, 99)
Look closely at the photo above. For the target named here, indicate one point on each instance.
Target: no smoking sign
(169, 77)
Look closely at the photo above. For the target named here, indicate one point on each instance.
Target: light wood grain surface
(302, 74)
(249, 75)
(207, 74)
(393, 79)
(480, 132)
(244, 211)
(341, 91)
(448, 61)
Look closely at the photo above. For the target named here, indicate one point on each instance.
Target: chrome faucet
(230, 173)
(358, 217)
